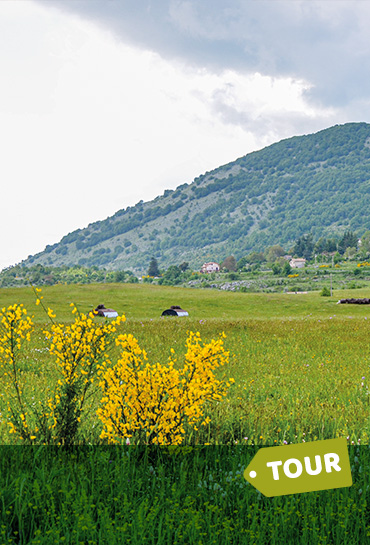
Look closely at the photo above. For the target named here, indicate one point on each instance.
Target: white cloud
(90, 125)
(324, 42)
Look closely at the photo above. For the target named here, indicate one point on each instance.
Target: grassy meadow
(300, 361)
(147, 301)
(301, 369)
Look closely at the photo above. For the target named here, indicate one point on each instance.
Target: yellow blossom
(159, 401)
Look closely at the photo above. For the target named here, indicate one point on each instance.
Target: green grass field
(301, 370)
(300, 362)
(147, 301)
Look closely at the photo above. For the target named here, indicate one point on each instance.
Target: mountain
(318, 183)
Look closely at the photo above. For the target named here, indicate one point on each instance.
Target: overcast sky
(107, 102)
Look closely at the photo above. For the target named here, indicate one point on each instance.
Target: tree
(276, 268)
(242, 263)
(255, 257)
(320, 245)
(331, 245)
(349, 240)
(229, 264)
(172, 276)
(274, 252)
(287, 269)
(337, 258)
(350, 253)
(365, 244)
(153, 267)
(325, 245)
(119, 276)
(304, 246)
(184, 266)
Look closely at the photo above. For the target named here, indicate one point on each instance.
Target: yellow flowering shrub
(15, 328)
(153, 402)
(78, 348)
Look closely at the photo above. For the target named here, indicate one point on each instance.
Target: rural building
(105, 312)
(175, 311)
(210, 267)
(298, 263)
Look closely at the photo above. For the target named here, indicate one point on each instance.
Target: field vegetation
(299, 361)
(301, 368)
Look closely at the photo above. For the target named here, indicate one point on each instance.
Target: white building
(210, 267)
(298, 263)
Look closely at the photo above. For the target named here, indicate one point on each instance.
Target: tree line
(347, 246)
(336, 248)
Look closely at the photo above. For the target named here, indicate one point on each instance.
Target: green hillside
(318, 183)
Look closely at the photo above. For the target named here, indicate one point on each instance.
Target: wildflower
(51, 313)
(158, 401)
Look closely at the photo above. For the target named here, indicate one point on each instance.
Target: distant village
(295, 263)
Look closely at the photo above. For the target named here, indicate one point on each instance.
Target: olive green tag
(304, 467)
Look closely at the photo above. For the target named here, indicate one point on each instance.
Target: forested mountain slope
(318, 183)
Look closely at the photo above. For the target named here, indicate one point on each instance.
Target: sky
(104, 103)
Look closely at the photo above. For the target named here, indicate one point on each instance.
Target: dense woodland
(316, 184)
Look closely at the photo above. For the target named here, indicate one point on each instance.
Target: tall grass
(302, 377)
(115, 495)
(301, 370)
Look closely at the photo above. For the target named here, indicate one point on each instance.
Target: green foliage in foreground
(295, 380)
(300, 362)
(116, 495)
(301, 365)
